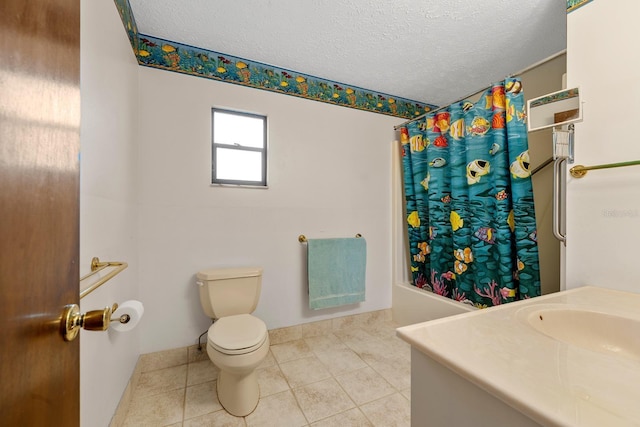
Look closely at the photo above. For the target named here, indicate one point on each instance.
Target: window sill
(260, 187)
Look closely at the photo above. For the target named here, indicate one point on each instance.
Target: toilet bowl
(237, 345)
(237, 342)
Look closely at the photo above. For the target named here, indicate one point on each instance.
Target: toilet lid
(238, 334)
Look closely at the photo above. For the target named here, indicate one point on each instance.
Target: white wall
(540, 81)
(603, 215)
(108, 212)
(329, 176)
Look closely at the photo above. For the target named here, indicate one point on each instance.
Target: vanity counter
(558, 376)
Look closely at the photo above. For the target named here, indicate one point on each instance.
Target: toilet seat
(238, 334)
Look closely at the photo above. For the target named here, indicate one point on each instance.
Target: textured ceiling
(433, 51)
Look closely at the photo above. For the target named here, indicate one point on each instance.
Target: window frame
(262, 183)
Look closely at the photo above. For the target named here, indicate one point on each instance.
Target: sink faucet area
(565, 359)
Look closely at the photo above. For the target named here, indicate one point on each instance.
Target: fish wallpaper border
(575, 4)
(168, 55)
(560, 96)
(172, 56)
(129, 22)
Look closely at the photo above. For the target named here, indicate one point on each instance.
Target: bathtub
(411, 305)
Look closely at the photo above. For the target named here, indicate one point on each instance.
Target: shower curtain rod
(529, 68)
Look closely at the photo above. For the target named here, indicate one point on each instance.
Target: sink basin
(592, 330)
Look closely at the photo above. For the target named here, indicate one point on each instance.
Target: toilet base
(237, 384)
(238, 393)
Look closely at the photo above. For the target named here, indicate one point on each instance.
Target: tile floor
(355, 376)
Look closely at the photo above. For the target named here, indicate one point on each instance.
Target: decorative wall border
(558, 96)
(574, 4)
(129, 22)
(172, 56)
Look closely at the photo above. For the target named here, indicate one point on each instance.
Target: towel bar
(579, 171)
(303, 239)
(96, 267)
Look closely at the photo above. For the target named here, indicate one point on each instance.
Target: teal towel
(336, 271)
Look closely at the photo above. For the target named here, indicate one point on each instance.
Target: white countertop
(550, 381)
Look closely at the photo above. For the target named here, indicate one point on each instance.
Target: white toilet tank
(228, 291)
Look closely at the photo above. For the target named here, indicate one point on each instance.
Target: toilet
(237, 342)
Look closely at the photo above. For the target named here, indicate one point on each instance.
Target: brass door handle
(95, 320)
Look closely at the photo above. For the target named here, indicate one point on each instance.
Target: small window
(239, 148)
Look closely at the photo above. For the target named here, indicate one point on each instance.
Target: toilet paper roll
(132, 308)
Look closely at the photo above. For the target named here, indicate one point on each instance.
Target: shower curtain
(469, 200)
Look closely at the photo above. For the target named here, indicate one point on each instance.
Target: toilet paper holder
(95, 320)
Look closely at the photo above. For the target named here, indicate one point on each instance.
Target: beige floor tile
(161, 380)
(355, 338)
(371, 348)
(383, 330)
(340, 361)
(378, 317)
(201, 399)
(157, 410)
(390, 411)
(393, 340)
(322, 399)
(304, 371)
(399, 347)
(398, 373)
(271, 381)
(369, 364)
(283, 335)
(345, 322)
(351, 418)
(162, 359)
(364, 385)
(201, 372)
(290, 351)
(315, 329)
(370, 319)
(269, 360)
(325, 342)
(277, 410)
(195, 355)
(215, 419)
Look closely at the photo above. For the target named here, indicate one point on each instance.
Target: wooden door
(39, 209)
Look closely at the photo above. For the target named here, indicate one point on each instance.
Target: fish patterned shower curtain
(469, 200)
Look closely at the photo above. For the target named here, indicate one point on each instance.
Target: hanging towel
(336, 269)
